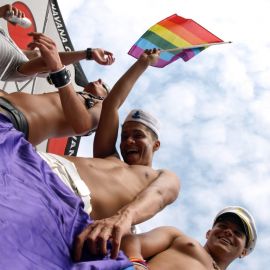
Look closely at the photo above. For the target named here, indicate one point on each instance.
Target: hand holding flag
(150, 57)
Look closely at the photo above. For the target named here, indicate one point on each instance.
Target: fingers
(40, 36)
(108, 53)
(103, 57)
(104, 236)
(18, 12)
(13, 11)
(94, 241)
(152, 51)
(116, 241)
(79, 242)
(41, 41)
(110, 60)
(48, 50)
(96, 237)
(150, 56)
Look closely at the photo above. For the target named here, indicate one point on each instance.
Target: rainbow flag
(176, 36)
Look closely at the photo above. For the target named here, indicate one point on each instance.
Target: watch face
(89, 54)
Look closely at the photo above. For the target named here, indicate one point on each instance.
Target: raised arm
(73, 107)
(106, 134)
(38, 65)
(163, 191)
(99, 55)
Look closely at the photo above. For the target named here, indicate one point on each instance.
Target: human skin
(168, 248)
(60, 113)
(46, 117)
(37, 63)
(56, 114)
(127, 192)
(114, 184)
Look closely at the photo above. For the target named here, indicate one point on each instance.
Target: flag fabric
(172, 33)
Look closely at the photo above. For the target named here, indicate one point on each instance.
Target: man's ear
(244, 253)
(156, 145)
(207, 234)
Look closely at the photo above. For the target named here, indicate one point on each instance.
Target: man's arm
(74, 109)
(149, 244)
(163, 191)
(38, 65)
(106, 134)
(99, 55)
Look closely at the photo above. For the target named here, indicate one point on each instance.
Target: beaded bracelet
(139, 262)
(60, 78)
(89, 54)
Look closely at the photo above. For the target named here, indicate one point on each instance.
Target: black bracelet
(60, 78)
(89, 54)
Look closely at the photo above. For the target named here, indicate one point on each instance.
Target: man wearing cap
(233, 235)
(123, 193)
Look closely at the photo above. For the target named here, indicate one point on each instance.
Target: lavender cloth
(39, 215)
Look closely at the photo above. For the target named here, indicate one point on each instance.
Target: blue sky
(214, 109)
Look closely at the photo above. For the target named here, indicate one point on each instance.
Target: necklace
(89, 99)
(216, 267)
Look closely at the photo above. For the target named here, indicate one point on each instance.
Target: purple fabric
(39, 215)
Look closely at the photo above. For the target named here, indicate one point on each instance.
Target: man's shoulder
(169, 175)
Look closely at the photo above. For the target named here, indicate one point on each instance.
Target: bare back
(184, 253)
(112, 182)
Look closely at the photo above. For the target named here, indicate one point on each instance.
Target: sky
(214, 110)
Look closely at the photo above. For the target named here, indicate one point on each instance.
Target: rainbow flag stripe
(170, 33)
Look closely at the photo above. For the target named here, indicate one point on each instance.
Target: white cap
(145, 118)
(248, 223)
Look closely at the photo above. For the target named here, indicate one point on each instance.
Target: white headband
(145, 118)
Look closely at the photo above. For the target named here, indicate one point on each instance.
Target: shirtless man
(56, 114)
(232, 236)
(123, 193)
(26, 64)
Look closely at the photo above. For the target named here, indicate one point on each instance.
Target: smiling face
(137, 144)
(227, 238)
(96, 88)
